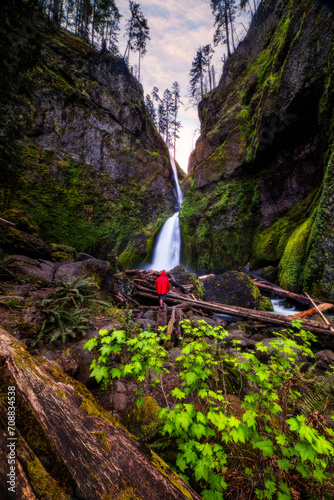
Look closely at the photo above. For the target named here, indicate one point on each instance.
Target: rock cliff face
(97, 172)
(260, 185)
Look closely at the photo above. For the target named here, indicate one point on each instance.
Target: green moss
(265, 304)
(218, 224)
(294, 256)
(62, 252)
(268, 246)
(171, 476)
(61, 393)
(43, 484)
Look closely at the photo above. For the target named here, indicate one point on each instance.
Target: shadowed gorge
(260, 174)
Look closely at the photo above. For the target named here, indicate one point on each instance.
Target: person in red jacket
(162, 287)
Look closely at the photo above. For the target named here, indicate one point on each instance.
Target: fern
(319, 396)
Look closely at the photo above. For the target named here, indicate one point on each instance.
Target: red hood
(163, 273)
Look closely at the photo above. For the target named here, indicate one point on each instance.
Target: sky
(177, 29)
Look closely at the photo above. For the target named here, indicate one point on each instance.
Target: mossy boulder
(183, 277)
(14, 241)
(62, 252)
(232, 288)
(22, 221)
(265, 304)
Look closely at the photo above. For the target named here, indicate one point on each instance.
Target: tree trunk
(227, 30)
(86, 452)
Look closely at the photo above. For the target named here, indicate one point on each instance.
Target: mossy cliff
(96, 172)
(260, 185)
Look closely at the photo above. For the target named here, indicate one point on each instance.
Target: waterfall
(167, 250)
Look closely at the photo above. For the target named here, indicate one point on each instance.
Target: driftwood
(89, 454)
(312, 311)
(317, 308)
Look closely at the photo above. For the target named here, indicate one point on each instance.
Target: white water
(167, 250)
(280, 308)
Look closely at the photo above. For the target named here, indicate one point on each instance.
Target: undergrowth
(67, 309)
(272, 442)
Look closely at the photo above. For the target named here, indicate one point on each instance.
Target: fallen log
(285, 293)
(317, 308)
(88, 453)
(312, 311)
(267, 317)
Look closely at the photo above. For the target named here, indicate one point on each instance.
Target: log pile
(145, 292)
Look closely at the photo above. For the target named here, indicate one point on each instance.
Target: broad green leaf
(177, 393)
(266, 447)
(201, 471)
(198, 430)
(306, 451)
(99, 372)
(284, 464)
(305, 471)
(91, 343)
(116, 373)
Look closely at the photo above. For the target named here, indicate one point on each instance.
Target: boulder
(232, 288)
(183, 277)
(95, 268)
(14, 241)
(35, 270)
(32, 322)
(325, 359)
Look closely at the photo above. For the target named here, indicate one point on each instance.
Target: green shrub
(263, 447)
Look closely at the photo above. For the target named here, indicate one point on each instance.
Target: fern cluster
(67, 310)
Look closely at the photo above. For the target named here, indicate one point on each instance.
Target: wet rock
(269, 273)
(32, 322)
(120, 401)
(95, 268)
(35, 270)
(182, 277)
(14, 241)
(119, 386)
(174, 354)
(149, 315)
(325, 359)
(83, 358)
(232, 288)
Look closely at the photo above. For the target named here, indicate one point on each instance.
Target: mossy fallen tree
(85, 452)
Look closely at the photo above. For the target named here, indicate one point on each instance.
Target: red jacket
(162, 284)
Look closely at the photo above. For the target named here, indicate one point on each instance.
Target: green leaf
(181, 463)
(200, 417)
(305, 471)
(198, 430)
(100, 372)
(266, 447)
(284, 464)
(178, 394)
(201, 471)
(306, 451)
(183, 420)
(127, 369)
(116, 373)
(119, 336)
(319, 474)
(91, 343)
